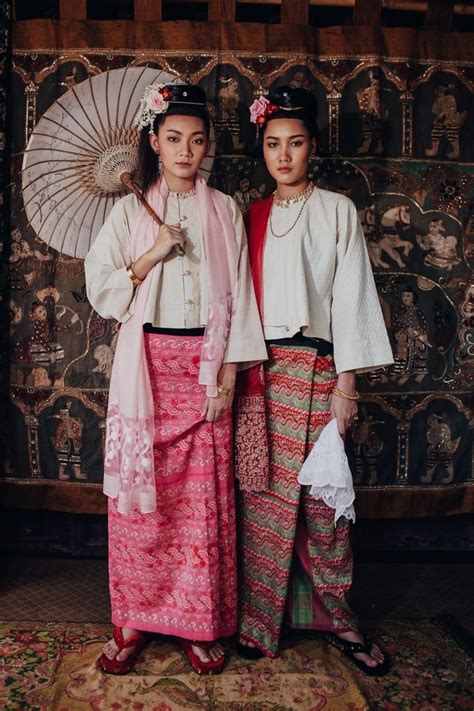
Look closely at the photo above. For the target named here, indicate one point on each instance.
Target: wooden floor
(76, 590)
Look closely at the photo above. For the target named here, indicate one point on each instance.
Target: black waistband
(149, 328)
(323, 347)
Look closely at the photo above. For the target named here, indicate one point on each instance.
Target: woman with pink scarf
(184, 297)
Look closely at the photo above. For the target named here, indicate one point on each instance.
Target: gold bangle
(134, 278)
(349, 396)
(223, 390)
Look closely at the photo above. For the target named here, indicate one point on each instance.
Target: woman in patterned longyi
(183, 294)
(323, 323)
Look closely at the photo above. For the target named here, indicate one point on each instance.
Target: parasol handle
(127, 180)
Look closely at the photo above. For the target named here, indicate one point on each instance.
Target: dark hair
(410, 290)
(184, 100)
(295, 104)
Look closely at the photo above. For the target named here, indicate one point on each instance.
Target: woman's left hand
(345, 412)
(343, 409)
(212, 407)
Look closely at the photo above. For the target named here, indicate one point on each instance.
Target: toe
(110, 650)
(216, 652)
(201, 653)
(366, 659)
(124, 654)
(377, 654)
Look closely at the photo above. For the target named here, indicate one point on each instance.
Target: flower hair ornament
(158, 97)
(155, 101)
(262, 108)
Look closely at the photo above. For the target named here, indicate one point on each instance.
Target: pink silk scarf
(128, 463)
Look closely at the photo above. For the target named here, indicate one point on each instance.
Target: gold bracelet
(349, 396)
(134, 278)
(222, 390)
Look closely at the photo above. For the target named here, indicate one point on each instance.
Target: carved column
(403, 428)
(334, 99)
(33, 445)
(407, 99)
(31, 96)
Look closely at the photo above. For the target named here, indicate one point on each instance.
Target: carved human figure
(67, 441)
(39, 346)
(447, 121)
(368, 446)
(27, 264)
(410, 332)
(441, 450)
(70, 79)
(227, 116)
(440, 248)
(373, 114)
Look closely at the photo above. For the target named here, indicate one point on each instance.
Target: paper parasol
(77, 152)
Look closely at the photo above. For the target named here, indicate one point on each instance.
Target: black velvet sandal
(350, 649)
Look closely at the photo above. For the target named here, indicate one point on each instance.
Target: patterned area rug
(51, 667)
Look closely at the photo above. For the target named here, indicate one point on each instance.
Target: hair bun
(185, 93)
(288, 98)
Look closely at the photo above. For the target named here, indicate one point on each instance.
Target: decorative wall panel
(396, 136)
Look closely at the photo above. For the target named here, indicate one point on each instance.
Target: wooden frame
(439, 13)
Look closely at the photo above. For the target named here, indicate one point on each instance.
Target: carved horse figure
(385, 237)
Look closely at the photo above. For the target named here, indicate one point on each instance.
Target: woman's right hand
(169, 236)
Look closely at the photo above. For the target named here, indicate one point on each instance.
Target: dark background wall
(395, 117)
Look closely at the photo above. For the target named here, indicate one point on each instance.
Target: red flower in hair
(261, 109)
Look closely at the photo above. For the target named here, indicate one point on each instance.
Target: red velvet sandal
(114, 666)
(214, 666)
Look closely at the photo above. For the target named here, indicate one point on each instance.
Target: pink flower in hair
(257, 109)
(157, 103)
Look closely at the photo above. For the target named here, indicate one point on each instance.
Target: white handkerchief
(326, 471)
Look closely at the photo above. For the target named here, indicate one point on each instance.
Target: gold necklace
(304, 196)
(287, 201)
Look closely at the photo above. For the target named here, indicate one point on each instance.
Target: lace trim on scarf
(129, 450)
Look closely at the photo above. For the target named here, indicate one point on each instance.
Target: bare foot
(376, 656)
(111, 649)
(207, 655)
